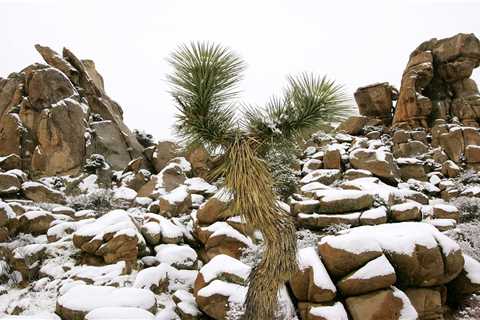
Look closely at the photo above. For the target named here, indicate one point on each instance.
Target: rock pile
(110, 228)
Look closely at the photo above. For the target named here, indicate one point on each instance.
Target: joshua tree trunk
(250, 180)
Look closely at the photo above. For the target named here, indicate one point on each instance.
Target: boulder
(39, 192)
(325, 176)
(421, 255)
(35, 222)
(408, 211)
(375, 101)
(320, 221)
(78, 301)
(332, 159)
(374, 216)
(378, 162)
(164, 152)
(333, 311)
(468, 282)
(376, 274)
(426, 301)
(47, 86)
(387, 304)
(342, 201)
(450, 169)
(200, 160)
(175, 203)
(411, 168)
(9, 183)
(214, 299)
(472, 153)
(453, 144)
(6, 214)
(214, 209)
(108, 141)
(445, 211)
(353, 125)
(312, 282)
(222, 267)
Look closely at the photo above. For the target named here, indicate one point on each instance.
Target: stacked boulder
(53, 116)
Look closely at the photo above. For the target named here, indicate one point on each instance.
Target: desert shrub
(101, 201)
(307, 238)
(469, 208)
(469, 309)
(467, 237)
(284, 177)
(145, 139)
(94, 162)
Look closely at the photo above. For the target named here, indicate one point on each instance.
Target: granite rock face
(436, 83)
(55, 115)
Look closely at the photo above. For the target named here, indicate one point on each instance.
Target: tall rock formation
(436, 83)
(55, 115)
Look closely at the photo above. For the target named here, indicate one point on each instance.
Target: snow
(373, 186)
(143, 201)
(174, 254)
(189, 308)
(199, 185)
(472, 269)
(89, 184)
(62, 229)
(319, 173)
(184, 165)
(4, 207)
(220, 228)
(446, 208)
(402, 207)
(114, 313)
(334, 312)
(97, 275)
(352, 242)
(442, 222)
(313, 186)
(113, 221)
(177, 195)
(375, 213)
(152, 276)
(407, 312)
(223, 195)
(408, 161)
(471, 191)
(31, 215)
(400, 238)
(310, 151)
(377, 267)
(308, 257)
(32, 184)
(38, 316)
(224, 264)
(124, 193)
(435, 180)
(339, 195)
(87, 297)
(235, 293)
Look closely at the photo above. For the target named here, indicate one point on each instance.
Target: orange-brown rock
(375, 101)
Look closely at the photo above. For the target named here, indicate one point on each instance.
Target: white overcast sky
(355, 42)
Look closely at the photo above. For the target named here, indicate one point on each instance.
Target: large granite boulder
(54, 115)
(436, 84)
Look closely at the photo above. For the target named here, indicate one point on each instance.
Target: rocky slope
(387, 215)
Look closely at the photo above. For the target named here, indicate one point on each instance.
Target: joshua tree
(204, 85)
